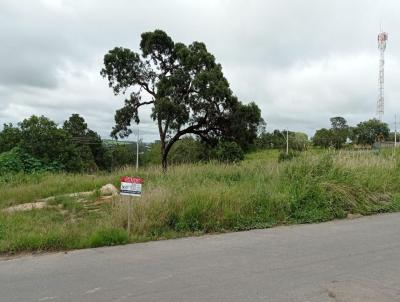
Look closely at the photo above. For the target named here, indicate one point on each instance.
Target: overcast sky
(301, 61)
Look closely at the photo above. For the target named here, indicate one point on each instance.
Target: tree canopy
(88, 143)
(38, 143)
(277, 140)
(185, 87)
(322, 138)
(365, 133)
(335, 137)
(339, 131)
(369, 132)
(9, 137)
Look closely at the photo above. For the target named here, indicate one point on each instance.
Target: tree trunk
(164, 156)
(164, 162)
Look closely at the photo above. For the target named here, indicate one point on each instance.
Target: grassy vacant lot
(202, 198)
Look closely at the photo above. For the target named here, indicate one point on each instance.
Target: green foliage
(108, 237)
(10, 137)
(74, 148)
(16, 160)
(369, 132)
(340, 131)
(88, 143)
(335, 137)
(201, 198)
(298, 141)
(283, 156)
(186, 150)
(323, 138)
(152, 155)
(228, 152)
(120, 155)
(309, 202)
(11, 162)
(244, 124)
(365, 133)
(42, 139)
(187, 89)
(273, 140)
(190, 150)
(67, 202)
(277, 140)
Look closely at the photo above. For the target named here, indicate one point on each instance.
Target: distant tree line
(339, 135)
(38, 143)
(364, 133)
(276, 139)
(191, 150)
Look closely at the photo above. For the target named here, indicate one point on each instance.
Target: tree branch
(145, 86)
(194, 129)
(145, 103)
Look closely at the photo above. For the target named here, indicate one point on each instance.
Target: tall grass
(203, 198)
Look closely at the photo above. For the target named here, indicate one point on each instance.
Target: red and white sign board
(131, 186)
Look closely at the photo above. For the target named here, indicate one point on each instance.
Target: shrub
(11, 162)
(108, 237)
(16, 160)
(228, 152)
(290, 155)
(186, 150)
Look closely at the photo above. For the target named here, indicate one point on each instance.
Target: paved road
(348, 260)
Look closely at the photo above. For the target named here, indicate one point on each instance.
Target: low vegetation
(193, 199)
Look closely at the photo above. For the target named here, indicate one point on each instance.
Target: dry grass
(201, 198)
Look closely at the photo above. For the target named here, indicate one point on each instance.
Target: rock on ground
(108, 189)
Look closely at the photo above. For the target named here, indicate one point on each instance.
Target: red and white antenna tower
(380, 106)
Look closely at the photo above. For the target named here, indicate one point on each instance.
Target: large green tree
(369, 132)
(339, 131)
(298, 141)
(41, 138)
(323, 138)
(89, 144)
(184, 85)
(244, 124)
(335, 137)
(76, 126)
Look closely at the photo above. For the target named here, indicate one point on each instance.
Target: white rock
(108, 189)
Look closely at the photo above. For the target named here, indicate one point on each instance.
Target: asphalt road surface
(348, 260)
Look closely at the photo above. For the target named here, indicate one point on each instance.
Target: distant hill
(112, 142)
(115, 142)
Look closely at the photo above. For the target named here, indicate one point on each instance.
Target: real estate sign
(131, 186)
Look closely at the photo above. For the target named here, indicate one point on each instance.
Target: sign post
(131, 186)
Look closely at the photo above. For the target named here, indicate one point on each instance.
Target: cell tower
(380, 106)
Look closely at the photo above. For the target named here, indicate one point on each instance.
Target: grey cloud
(301, 61)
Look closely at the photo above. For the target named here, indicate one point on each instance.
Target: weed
(108, 237)
(200, 198)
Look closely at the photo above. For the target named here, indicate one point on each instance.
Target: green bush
(228, 152)
(16, 161)
(290, 155)
(11, 162)
(186, 150)
(108, 237)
